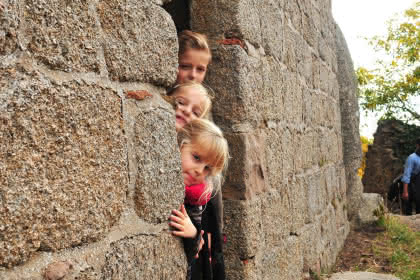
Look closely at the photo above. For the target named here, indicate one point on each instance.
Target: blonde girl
(191, 101)
(204, 154)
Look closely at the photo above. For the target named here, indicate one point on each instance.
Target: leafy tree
(365, 142)
(391, 88)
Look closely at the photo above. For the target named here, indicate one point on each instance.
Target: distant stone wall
(349, 106)
(89, 175)
(393, 142)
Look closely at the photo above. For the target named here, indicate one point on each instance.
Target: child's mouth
(189, 179)
(180, 119)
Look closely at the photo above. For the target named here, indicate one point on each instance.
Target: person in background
(411, 181)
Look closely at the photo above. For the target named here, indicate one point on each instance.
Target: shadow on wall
(180, 13)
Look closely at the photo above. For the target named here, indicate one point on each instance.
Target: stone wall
(349, 106)
(393, 142)
(89, 175)
(275, 73)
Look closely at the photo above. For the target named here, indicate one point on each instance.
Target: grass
(399, 246)
(389, 247)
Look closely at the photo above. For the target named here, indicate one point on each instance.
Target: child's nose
(187, 110)
(193, 74)
(200, 169)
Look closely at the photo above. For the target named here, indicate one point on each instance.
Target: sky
(365, 18)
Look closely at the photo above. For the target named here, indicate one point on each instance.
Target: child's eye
(208, 168)
(179, 101)
(196, 157)
(201, 69)
(184, 66)
(197, 113)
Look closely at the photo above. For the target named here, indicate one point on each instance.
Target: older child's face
(195, 169)
(189, 106)
(192, 66)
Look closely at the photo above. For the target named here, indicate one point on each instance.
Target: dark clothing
(212, 222)
(191, 244)
(412, 178)
(413, 196)
(193, 205)
(395, 189)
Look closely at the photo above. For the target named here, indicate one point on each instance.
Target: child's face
(195, 169)
(192, 66)
(189, 106)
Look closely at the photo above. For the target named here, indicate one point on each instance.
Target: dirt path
(357, 251)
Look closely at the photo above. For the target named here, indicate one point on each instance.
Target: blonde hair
(188, 39)
(210, 140)
(206, 107)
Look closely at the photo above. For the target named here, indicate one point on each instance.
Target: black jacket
(212, 222)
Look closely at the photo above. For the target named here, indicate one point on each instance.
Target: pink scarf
(193, 194)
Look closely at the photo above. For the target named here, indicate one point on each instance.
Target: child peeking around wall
(204, 154)
(194, 56)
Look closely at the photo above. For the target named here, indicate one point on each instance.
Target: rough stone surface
(285, 260)
(279, 99)
(370, 202)
(145, 257)
(234, 105)
(154, 159)
(9, 26)
(241, 245)
(247, 169)
(69, 137)
(62, 34)
(349, 124)
(56, 141)
(140, 42)
(362, 276)
(103, 259)
(86, 171)
(57, 270)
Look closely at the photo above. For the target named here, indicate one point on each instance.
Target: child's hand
(200, 245)
(182, 222)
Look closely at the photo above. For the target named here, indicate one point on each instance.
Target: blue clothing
(411, 167)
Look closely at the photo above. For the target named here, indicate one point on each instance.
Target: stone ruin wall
(88, 175)
(382, 166)
(393, 142)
